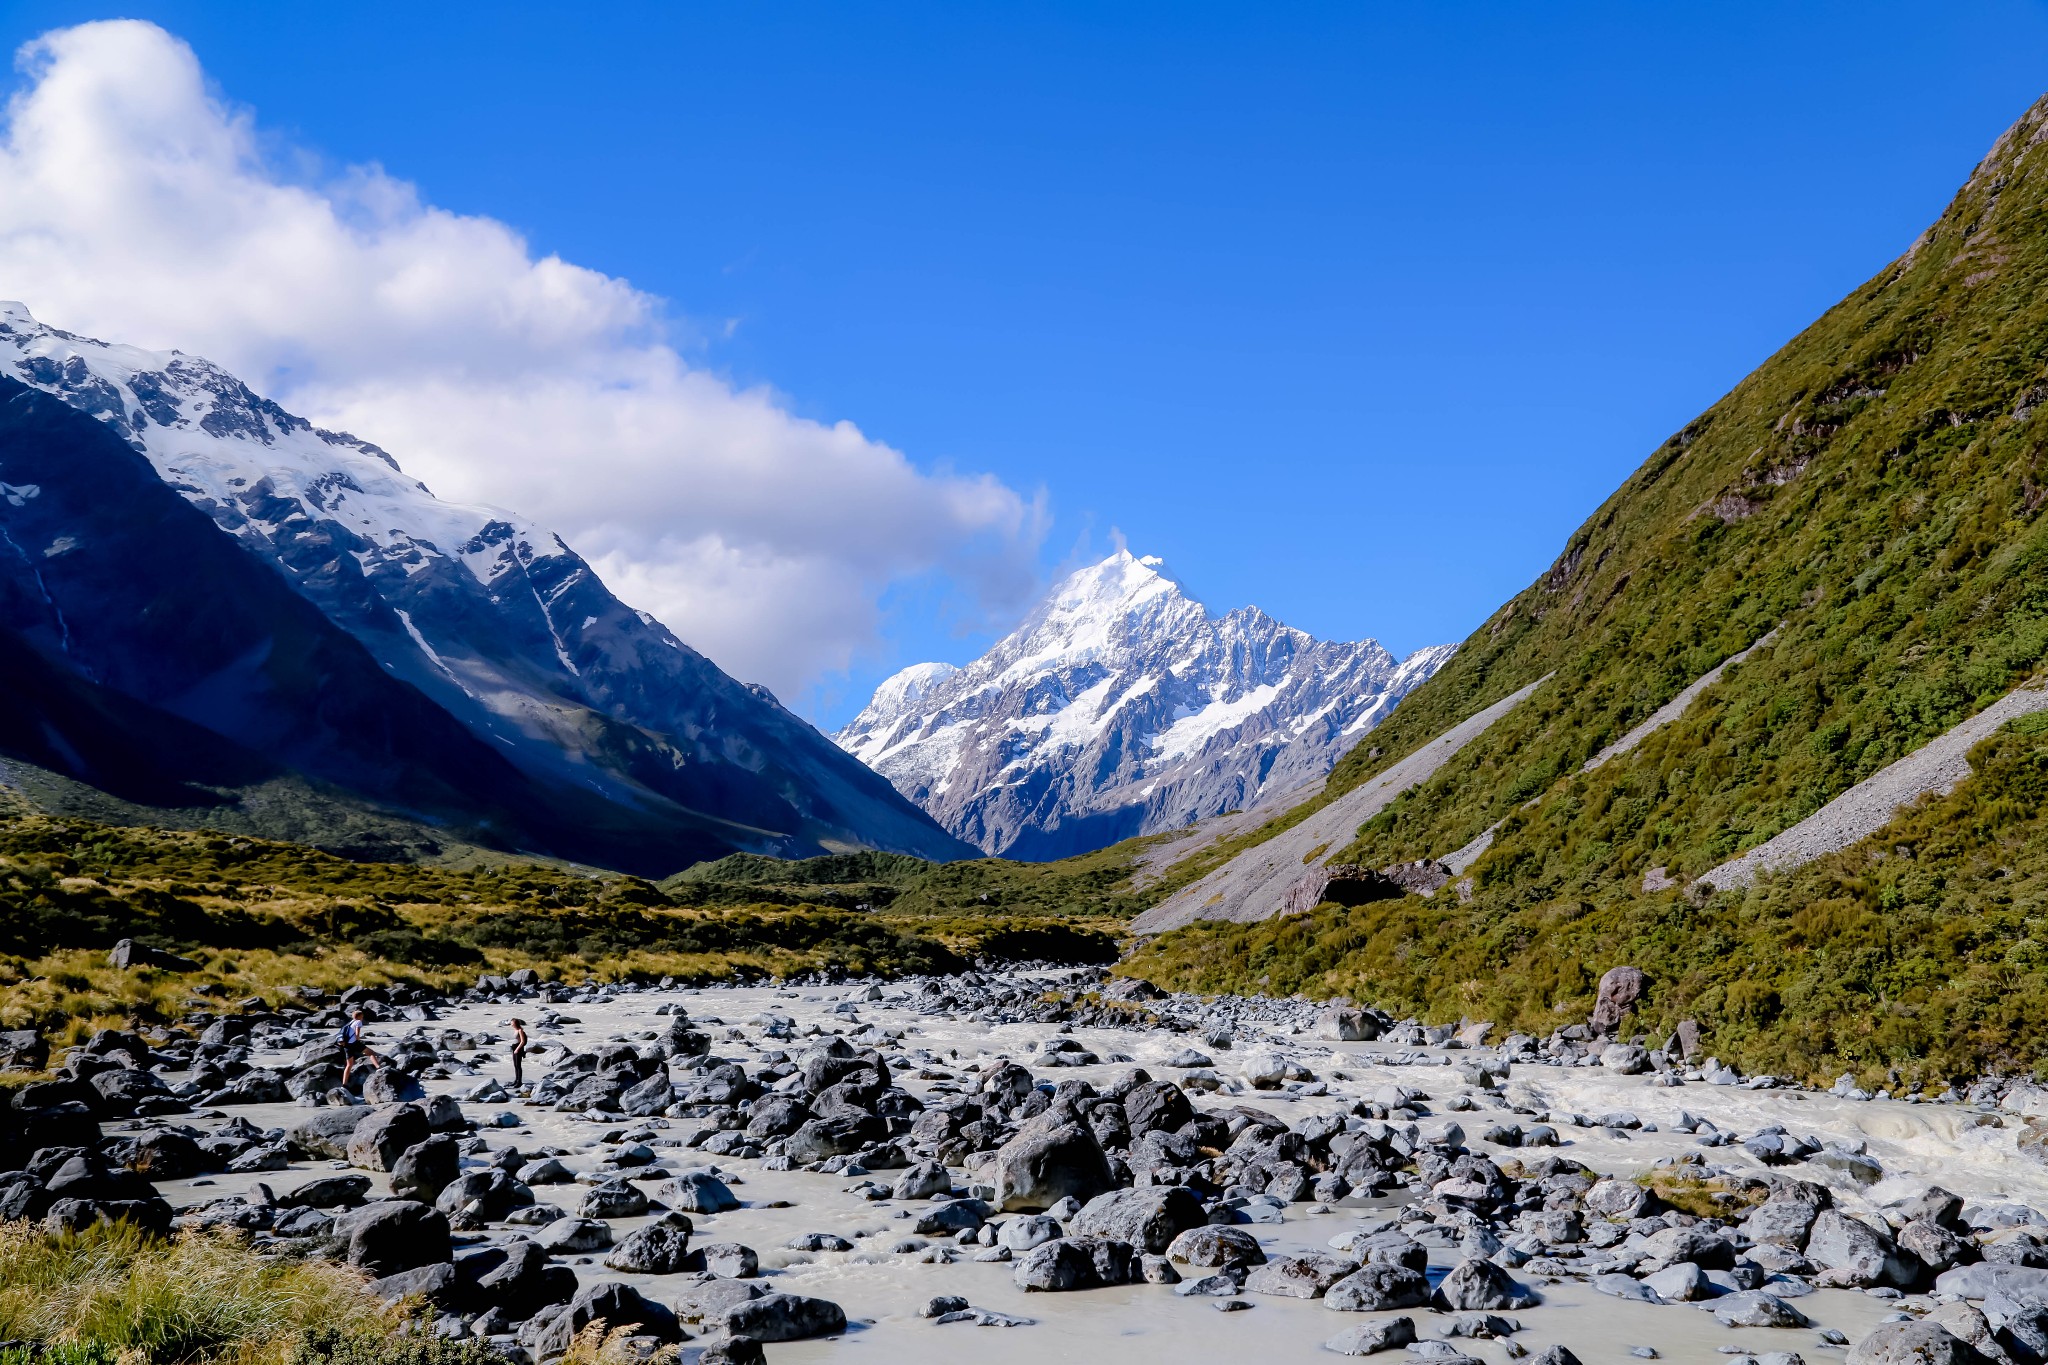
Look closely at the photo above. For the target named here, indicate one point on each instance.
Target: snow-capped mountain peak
(493, 617)
(900, 692)
(1121, 706)
(245, 459)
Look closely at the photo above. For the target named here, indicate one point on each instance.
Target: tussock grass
(261, 918)
(597, 1345)
(334, 1346)
(1701, 1196)
(196, 1298)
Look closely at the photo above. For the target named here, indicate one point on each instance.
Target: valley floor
(1613, 1124)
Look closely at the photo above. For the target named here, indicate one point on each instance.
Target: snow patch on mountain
(1119, 707)
(494, 617)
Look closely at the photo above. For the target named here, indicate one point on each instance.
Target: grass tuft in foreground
(196, 1298)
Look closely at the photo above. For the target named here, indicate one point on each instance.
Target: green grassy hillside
(1920, 950)
(1875, 492)
(261, 917)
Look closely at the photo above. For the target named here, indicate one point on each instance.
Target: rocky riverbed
(1022, 1167)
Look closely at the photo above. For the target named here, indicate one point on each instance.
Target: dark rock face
(393, 1235)
(658, 1249)
(438, 1284)
(615, 1305)
(1156, 1106)
(515, 1276)
(777, 1116)
(426, 1168)
(328, 1192)
(128, 953)
(783, 1317)
(1075, 1263)
(818, 1139)
(1339, 884)
(648, 1098)
(23, 1049)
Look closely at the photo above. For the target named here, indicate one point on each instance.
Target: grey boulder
(1369, 1338)
(1049, 1161)
(1149, 1218)
(614, 1305)
(1856, 1253)
(1480, 1286)
(426, 1168)
(393, 1235)
(1306, 1276)
(1075, 1263)
(569, 1236)
(1756, 1308)
(1912, 1343)
(1215, 1245)
(1781, 1222)
(784, 1317)
(327, 1132)
(657, 1249)
(612, 1199)
(697, 1192)
(384, 1135)
(1378, 1288)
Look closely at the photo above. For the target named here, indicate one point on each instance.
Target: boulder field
(772, 1168)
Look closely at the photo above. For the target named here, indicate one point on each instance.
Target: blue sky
(1351, 312)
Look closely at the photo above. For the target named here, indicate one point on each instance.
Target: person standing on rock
(354, 1047)
(518, 1052)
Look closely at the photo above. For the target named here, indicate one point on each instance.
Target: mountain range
(201, 592)
(1120, 707)
(1772, 727)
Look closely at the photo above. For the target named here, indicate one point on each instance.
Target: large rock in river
(384, 1135)
(1050, 1160)
(327, 1131)
(1148, 1218)
(1912, 1343)
(393, 1235)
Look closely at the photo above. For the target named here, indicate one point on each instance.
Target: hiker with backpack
(355, 1047)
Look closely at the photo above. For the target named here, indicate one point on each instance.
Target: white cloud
(136, 206)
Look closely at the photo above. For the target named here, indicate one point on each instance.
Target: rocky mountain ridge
(1120, 707)
(494, 619)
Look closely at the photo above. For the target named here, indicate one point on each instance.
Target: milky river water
(881, 1291)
